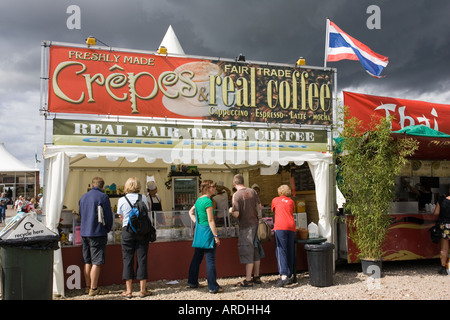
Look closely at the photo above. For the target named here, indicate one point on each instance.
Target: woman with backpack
(132, 242)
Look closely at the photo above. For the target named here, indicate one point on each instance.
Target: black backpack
(139, 222)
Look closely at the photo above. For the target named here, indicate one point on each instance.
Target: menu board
(440, 169)
(421, 168)
(303, 178)
(424, 168)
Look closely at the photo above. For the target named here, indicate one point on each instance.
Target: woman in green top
(205, 214)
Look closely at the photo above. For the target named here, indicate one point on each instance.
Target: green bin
(27, 274)
(26, 260)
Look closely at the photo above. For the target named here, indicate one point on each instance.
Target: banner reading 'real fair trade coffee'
(111, 82)
(163, 135)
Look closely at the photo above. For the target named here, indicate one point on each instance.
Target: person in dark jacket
(443, 211)
(96, 221)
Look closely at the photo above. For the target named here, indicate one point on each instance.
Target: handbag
(152, 233)
(203, 236)
(264, 232)
(435, 233)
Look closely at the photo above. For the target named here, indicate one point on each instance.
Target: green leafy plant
(367, 167)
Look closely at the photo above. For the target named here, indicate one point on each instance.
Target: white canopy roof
(163, 156)
(170, 41)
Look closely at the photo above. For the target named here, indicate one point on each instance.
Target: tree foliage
(368, 165)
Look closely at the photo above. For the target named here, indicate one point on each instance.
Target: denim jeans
(211, 274)
(284, 249)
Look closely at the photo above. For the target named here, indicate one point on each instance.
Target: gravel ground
(400, 280)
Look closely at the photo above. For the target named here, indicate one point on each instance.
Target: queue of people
(245, 207)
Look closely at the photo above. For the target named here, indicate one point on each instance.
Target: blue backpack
(139, 222)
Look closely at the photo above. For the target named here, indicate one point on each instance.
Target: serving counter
(407, 238)
(417, 191)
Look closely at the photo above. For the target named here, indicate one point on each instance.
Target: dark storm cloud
(413, 34)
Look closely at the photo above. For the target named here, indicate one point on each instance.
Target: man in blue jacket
(96, 221)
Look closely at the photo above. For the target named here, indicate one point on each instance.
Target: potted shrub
(367, 168)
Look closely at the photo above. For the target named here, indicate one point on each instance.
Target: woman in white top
(132, 243)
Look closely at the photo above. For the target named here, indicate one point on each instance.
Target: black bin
(27, 268)
(320, 264)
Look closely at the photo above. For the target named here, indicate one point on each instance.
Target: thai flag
(341, 46)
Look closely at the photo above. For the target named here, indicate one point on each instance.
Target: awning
(433, 144)
(186, 156)
(421, 130)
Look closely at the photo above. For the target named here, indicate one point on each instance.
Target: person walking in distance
(96, 221)
(245, 205)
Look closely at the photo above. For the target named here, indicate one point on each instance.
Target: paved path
(9, 213)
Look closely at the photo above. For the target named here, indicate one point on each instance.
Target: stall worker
(154, 202)
(221, 199)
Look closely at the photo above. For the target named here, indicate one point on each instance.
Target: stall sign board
(198, 136)
(130, 83)
(406, 112)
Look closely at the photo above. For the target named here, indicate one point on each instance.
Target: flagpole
(327, 41)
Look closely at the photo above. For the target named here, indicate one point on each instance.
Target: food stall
(118, 113)
(408, 236)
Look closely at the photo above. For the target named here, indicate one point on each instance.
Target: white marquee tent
(57, 166)
(15, 174)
